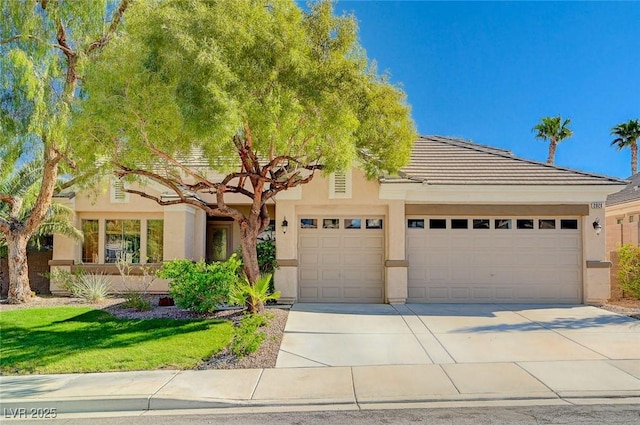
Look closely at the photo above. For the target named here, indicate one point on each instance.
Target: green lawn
(80, 339)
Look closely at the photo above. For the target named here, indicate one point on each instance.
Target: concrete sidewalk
(358, 387)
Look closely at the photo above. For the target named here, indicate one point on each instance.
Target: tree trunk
(634, 159)
(248, 243)
(552, 152)
(19, 289)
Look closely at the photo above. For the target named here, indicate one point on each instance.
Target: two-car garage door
(497, 259)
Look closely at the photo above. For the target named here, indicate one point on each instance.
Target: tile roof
(441, 160)
(629, 194)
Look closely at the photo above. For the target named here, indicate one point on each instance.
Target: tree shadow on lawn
(43, 345)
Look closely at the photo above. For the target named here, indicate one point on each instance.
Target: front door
(219, 242)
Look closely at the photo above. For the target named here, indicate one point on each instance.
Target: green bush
(200, 287)
(66, 280)
(629, 269)
(137, 301)
(247, 338)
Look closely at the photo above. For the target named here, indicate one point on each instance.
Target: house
(461, 222)
(623, 215)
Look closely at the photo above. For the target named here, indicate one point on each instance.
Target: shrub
(66, 280)
(137, 301)
(92, 287)
(244, 293)
(247, 338)
(629, 269)
(136, 285)
(200, 287)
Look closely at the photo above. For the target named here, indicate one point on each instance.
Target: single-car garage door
(494, 259)
(341, 259)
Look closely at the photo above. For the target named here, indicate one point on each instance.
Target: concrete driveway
(420, 334)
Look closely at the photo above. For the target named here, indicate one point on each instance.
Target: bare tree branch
(115, 22)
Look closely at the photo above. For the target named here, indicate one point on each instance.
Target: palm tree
(628, 134)
(18, 196)
(554, 130)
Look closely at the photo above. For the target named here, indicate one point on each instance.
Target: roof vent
(118, 193)
(340, 185)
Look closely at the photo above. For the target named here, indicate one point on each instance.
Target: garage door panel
(440, 293)
(329, 241)
(309, 242)
(310, 258)
(331, 292)
(329, 275)
(482, 293)
(310, 292)
(486, 265)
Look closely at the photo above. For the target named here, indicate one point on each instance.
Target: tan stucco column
(596, 278)
(286, 276)
(396, 277)
(179, 232)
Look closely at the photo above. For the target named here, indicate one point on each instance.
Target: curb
(141, 404)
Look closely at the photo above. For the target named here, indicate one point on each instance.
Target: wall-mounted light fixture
(597, 226)
(284, 225)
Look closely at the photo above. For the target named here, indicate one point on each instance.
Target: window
(374, 223)
(122, 241)
(330, 223)
(524, 223)
(547, 223)
(90, 229)
(481, 223)
(459, 223)
(415, 223)
(569, 224)
(619, 221)
(502, 223)
(155, 239)
(630, 219)
(308, 223)
(437, 223)
(352, 223)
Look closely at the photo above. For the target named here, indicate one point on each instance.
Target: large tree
(262, 92)
(555, 131)
(44, 46)
(627, 137)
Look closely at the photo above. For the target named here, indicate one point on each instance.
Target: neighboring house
(623, 215)
(461, 223)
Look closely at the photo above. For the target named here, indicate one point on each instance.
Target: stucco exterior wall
(622, 223)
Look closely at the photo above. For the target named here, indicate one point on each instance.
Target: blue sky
(488, 71)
